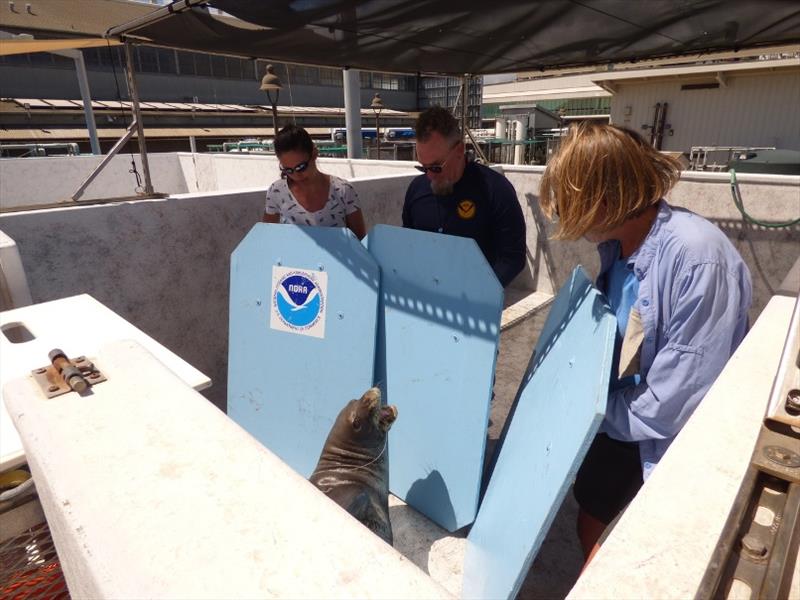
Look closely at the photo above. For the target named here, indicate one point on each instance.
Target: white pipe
(500, 128)
(519, 136)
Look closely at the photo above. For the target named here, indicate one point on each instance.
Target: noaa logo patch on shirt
(298, 301)
(466, 209)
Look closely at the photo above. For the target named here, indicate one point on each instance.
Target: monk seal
(352, 469)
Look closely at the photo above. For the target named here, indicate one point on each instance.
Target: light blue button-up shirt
(694, 294)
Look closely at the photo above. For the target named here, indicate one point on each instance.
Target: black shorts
(609, 477)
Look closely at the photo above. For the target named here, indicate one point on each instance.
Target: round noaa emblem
(298, 300)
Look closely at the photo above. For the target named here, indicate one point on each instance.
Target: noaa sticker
(298, 301)
(466, 209)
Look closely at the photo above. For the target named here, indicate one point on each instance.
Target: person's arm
(703, 333)
(406, 216)
(355, 223)
(508, 232)
(353, 217)
(272, 209)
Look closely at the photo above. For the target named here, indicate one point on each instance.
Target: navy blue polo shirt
(483, 206)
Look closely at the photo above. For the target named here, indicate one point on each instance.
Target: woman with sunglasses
(306, 196)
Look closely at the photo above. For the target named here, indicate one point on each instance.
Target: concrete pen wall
(164, 264)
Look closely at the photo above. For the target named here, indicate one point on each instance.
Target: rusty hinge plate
(52, 383)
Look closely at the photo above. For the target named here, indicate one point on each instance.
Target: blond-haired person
(680, 292)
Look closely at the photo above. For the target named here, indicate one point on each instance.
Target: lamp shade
(270, 81)
(377, 103)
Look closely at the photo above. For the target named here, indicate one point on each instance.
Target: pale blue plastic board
(437, 344)
(561, 402)
(284, 388)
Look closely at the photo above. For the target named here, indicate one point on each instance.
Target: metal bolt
(94, 375)
(753, 547)
(321, 267)
(41, 371)
(436, 280)
(258, 302)
(793, 402)
(455, 339)
(52, 388)
(80, 359)
(340, 315)
(782, 456)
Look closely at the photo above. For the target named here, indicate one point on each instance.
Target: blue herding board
(286, 386)
(561, 403)
(438, 330)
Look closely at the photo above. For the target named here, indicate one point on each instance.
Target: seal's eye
(356, 424)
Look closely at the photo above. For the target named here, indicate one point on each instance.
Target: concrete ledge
(522, 309)
(662, 544)
(152, 492)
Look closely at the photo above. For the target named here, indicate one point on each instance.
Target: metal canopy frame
(136, 126)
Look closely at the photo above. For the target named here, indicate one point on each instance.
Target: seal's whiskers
(386, 443)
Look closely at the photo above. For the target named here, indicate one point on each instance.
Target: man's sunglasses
(435, 168)
(299, 168)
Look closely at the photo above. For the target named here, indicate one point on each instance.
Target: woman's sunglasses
(299, 168)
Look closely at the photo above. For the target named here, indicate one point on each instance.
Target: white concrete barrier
(151, 492)
(663, 543)
(14, 290)
(52, 179)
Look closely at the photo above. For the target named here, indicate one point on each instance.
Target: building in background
(218, 98)
(708, 108)
(446, 92)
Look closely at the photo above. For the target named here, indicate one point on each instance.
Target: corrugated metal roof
(45, 103)
(41, 135)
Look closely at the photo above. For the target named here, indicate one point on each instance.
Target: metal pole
(134, 94)
(378, 134)
(464, 105)
(274, 115)
(192, 144)
(86, 95)
(352, 112)
(106, 159)
(83, 84)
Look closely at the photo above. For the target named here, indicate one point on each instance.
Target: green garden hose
(737, 200)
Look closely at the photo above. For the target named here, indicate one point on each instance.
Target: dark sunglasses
(299, 168)
(435, 168)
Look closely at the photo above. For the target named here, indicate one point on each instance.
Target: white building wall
(748, 110)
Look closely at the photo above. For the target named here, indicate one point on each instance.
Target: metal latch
(63, 375)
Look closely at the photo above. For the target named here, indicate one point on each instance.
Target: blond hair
(601, 176)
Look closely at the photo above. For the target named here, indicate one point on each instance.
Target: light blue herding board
(438, 330)
(561, 403)
(284, 388)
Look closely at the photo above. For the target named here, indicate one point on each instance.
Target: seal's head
(365, 420)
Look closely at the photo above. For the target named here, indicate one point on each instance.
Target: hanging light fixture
(272, 83)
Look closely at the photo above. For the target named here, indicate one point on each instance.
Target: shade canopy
(472, 37)
(25, 46)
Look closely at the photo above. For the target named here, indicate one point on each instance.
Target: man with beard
(463, 198)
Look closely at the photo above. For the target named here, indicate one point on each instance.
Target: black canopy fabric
(471, 37)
